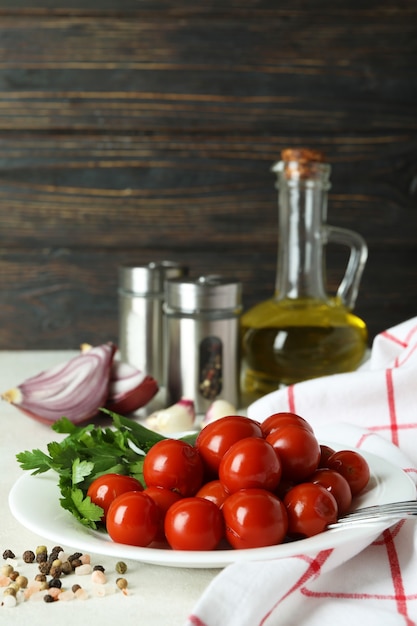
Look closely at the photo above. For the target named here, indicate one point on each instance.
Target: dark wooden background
(135, 131)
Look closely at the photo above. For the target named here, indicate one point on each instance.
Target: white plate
(34, 502)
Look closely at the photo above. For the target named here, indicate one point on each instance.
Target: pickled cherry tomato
(278, 420)
(104, 489)
(298, 450)
(337, 485)
(214, 491)
(325, 452)
(254, 518)
(216, 438)
(133, 518)
(310, 508)
(174, 464)
(194, 524)
(250, 463)
(353, 466)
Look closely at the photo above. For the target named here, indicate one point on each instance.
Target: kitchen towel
(373, 409)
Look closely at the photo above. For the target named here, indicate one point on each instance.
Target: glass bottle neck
(302, 204)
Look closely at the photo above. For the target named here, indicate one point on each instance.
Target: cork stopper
(301, 162)
(302, 155)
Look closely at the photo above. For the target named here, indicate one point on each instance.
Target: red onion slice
(130, 389)
(75, 389)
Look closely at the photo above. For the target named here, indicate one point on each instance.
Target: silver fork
(392, 510)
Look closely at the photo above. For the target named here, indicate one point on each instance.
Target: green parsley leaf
(81, 469)
(35, 460)
(85, 511)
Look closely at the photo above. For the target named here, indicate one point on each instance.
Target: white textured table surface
(158, 596)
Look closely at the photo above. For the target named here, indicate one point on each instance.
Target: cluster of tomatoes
(245, 483)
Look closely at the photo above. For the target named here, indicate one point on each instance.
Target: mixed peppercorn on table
(157, 595)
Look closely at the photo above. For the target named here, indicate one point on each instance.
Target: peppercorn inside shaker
(141, 295)
(202, 331)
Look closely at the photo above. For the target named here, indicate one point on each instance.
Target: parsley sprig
(88, 452)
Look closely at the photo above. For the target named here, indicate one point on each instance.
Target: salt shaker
(202, 330)
(141, 295)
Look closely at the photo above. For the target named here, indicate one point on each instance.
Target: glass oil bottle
(302, 332)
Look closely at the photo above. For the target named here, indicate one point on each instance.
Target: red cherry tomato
(163, 498)
(216, 438)
(337, 485)
(133, 518)
(214, 491)
(194, 524)
(104, 489)
(310, 508)
(278, 420)
(174, 464)
(298, 450)
(250, 463)
(254, 518)
(353, 467)
(325, 452)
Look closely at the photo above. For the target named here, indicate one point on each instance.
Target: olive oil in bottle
(302, 332)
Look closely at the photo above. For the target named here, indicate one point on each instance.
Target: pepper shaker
(202, 330)
(141, 329)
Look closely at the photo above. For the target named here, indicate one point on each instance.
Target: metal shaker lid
(148, 279)
(206, 293)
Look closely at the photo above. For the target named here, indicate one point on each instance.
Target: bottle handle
(349, 286)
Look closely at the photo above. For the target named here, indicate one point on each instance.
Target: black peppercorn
(40, 577)
(8, 554)
(48, 598)
(28, 556)
(55, 571)
(44, 567)
(66, 567)
(99, 567)
(54, 553)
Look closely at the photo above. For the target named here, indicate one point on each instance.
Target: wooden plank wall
(135, 131)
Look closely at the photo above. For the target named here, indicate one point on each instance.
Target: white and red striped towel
(374, 409)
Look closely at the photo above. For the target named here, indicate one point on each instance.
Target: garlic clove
(176, 418)
(218, 409)
(130, 389)
(75, 389)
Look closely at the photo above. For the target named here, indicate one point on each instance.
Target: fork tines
(394, 510)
